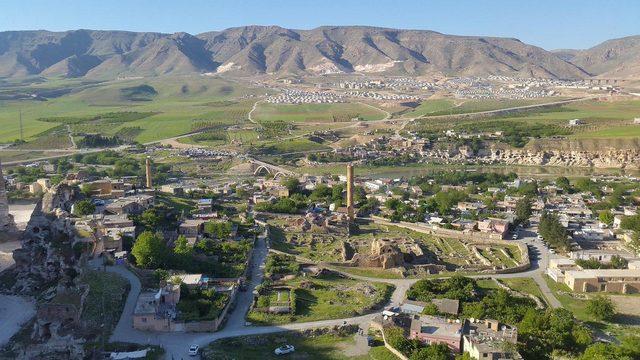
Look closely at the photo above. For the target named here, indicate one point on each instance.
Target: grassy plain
(178, 103)
(319, 347)
(315, 112)
(326, 297)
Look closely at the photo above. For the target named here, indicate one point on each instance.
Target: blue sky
(546, 23)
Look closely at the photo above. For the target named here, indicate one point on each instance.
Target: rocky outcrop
(606, 158)
(47, 254)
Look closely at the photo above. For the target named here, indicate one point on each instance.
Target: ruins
(7, 225)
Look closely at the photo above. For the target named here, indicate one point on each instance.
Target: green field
(318, 347)
(430, 106)
(326, 297)
(315, 112)
(524, 285)
(177, 103)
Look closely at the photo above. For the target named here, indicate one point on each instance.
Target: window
(144, 319)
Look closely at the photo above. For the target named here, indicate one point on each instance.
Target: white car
(284, 349)
(193, 350)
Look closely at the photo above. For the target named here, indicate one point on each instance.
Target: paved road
(236, 319)
(176, 344)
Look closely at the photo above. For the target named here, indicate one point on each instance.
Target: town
(305, 180)
(200, 256)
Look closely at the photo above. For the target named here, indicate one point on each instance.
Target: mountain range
(251, 50)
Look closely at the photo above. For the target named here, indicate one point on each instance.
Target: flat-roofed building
(437, 330)
(486, 339)
(623, 281)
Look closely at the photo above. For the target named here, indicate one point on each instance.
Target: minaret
(6, 220)
(350, 210)
(148, 168)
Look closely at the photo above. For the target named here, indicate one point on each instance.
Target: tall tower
(6, 220)
(148, 172)
(350, 210)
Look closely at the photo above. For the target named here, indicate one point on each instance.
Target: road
(176, 344)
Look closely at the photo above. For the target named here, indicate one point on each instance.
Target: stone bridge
(263, 168)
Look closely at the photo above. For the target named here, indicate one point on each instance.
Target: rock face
(47, 255)
(608, 158)
(6, 220)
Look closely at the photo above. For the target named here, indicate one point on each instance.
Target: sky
(551, 24)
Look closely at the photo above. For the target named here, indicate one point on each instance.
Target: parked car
(284, 349)
(194, 350)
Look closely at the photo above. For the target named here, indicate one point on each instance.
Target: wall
(379, 326)
(476, 237)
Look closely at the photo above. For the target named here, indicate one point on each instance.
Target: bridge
(261, 168)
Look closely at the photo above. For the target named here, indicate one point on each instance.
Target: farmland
(176, 103)
(340, 112)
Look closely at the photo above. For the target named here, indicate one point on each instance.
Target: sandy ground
(6, 254)
(14, 312)
(358, 348)
(21, 213)
(627, 304)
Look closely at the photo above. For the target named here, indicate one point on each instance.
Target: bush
(601, 308)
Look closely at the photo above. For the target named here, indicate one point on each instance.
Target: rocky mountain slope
(271, 49)
(616, 58)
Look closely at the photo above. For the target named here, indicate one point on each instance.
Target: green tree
(600, 351)
(606, 217)
(563, 182)
(618, 262)
(292, 184)
(431, 352)
(552, 231)
(601, 308)
(523, 210)
(84, 207)
(150, 250)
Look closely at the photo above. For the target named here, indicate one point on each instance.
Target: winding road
(176, 344)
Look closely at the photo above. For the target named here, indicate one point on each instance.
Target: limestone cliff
(47, 255)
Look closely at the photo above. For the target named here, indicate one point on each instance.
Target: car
(552, 251)
(284, 349)
(193, 350)
(539, 237)
(514, 236)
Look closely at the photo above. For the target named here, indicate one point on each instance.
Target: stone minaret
(149, 180)
(6, 220)
(350, 210)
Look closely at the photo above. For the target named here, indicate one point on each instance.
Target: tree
(292, 184)
(563, 182)
(600, 351)
(601, 307)
(150, 219)
(84, 207)
(631, 223)
(523, 210)
(552, 231)
(431, 352)
(150, 250)
(606, 217)
(182, 247)
(618, 262)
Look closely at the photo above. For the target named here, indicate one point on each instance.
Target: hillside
(616, 58)
(270, 49)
